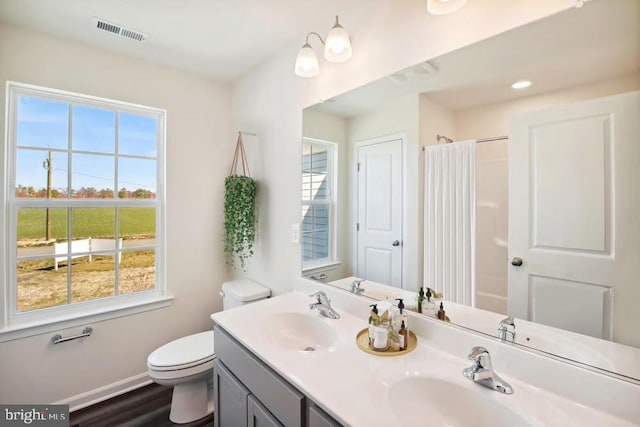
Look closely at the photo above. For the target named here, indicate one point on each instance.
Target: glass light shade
(521, 84)
(338, 46)
(307, 62)
(442, 7)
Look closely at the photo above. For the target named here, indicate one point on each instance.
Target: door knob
(516, 261)
(395, 243)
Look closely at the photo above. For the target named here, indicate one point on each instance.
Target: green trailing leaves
(239, 219)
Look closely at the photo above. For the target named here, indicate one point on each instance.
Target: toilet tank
(240, 292)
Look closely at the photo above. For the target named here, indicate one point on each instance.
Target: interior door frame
(355, 193)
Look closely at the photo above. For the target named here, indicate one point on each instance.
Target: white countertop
(353, 386)
(600, 353)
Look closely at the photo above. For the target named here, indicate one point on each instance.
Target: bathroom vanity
(280, 363)
(248, 392)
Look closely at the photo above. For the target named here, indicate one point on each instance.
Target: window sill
(317, 268)
(71, 320)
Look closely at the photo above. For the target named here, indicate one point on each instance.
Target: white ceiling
(598, 41)
(220, 38)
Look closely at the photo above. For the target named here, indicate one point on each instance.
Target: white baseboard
(108, 391)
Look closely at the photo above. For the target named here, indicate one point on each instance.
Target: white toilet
(187, 363)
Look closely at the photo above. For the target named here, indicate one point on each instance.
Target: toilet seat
(184, 353)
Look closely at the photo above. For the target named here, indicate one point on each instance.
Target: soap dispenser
(374, 310)
(429, 307)
(403, 316)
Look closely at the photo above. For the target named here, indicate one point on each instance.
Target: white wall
(328, 127)
(399, 116)
(270, 99)
(198, 157)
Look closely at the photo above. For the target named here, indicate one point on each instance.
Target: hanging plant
(239, 211)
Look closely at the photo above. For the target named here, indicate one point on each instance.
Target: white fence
(85, 248)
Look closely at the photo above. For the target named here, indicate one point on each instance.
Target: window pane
(32, 230)
(93, 176)
(32, 172)
(137, 271)
(315, 232)
(315, 173)
(40, 285)
(93, 277)
(92, 222)
(137, 135)
(137, 226)
(136, 178)
(42, 123)
(93, 129)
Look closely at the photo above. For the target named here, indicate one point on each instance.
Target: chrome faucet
(323, 305)
(507, 329)
(355, 286)
(482, 372)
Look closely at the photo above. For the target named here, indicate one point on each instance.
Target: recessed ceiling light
(521, 84)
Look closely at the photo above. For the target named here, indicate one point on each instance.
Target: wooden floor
(146, 406)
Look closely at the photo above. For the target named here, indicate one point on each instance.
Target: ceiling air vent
(101, 24)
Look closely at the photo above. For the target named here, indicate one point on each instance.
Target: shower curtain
(450, 220)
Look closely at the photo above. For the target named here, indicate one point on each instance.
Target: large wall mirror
(509, 202)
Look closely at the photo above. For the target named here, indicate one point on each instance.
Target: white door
(574, 215)
(379, 211)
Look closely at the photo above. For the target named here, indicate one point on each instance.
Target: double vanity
(280, 362)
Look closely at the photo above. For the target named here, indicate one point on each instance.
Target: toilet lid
(183, 351)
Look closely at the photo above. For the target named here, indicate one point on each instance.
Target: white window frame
(14, 324)
(332, 260)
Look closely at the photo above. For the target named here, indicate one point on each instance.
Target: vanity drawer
(282, 400)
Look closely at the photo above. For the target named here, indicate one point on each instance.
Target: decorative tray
(362, 339)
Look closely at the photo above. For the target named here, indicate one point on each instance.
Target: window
(318, 203)
(84, 204)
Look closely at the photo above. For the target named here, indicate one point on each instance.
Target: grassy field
(87, 222)
(40, 286)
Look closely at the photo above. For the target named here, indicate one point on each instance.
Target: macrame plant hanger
(242, 156)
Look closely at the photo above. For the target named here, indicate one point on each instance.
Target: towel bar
(86, 332)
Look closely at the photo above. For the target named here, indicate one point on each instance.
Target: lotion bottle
(403, 337)
(441, 313)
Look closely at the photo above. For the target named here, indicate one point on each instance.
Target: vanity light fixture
(337, 48)
(443, 7)
(521, 84)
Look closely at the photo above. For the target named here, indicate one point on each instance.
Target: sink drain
(309, 349)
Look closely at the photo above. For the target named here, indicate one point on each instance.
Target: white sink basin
(298, 331)
(421, 401)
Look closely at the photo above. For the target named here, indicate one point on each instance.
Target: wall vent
(101, 24)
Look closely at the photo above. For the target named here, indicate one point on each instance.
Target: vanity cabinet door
(258, 416)
(283, 400)
(316, 417)
(230, 398)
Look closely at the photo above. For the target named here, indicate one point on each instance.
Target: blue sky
(44, 124)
